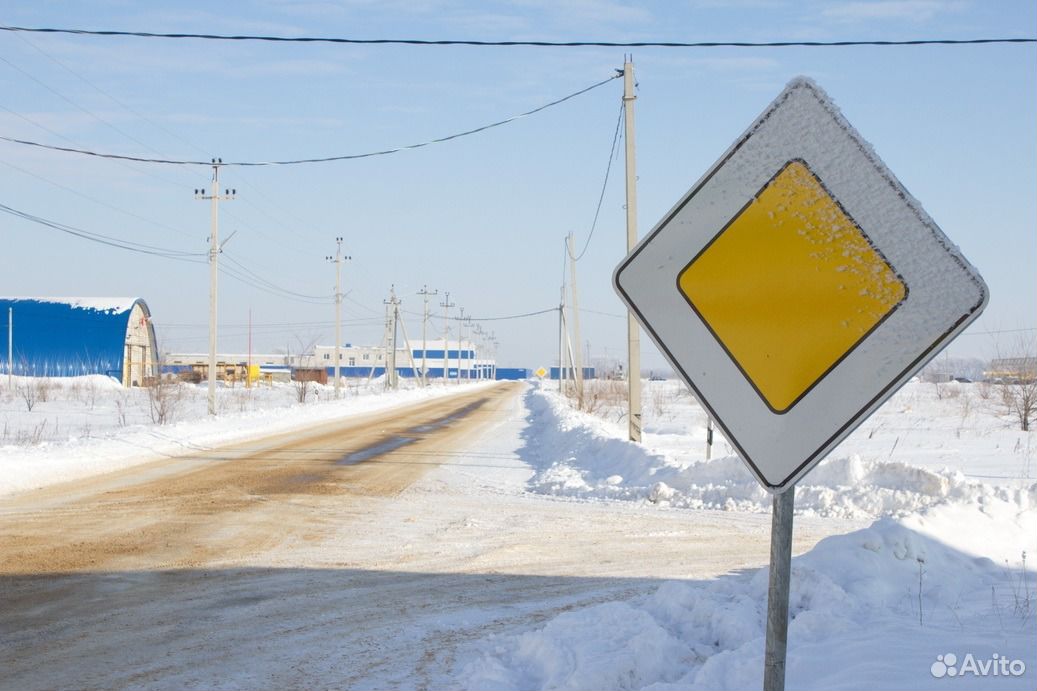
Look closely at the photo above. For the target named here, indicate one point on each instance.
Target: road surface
(371, 553)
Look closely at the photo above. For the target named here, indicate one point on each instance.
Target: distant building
(1012, 370)
(68, 337)
(361, 361)
(355, 361)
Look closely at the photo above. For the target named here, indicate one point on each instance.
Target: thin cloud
(911, 10)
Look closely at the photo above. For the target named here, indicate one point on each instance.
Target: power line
(495, 319)
(247, 199)
(265, 286)
(274, 285)
(604, 184)
(999, 331)
(101, 120)
(109, 240)
(89, 198)
(326, 159)
(533, 44)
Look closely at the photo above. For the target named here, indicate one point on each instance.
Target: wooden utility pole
(633, 330)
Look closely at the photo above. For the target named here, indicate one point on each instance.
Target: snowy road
(368, 555)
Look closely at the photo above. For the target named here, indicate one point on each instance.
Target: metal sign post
(778, 591)
(794, 289)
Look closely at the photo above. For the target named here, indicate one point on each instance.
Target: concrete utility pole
(10, 348)
(337, 261)
(393, 306)
(470, 360)
(214, 253)
(561, 342)
(480, 342)
(633, 330)
(425, 293)
(578, 364)
(446, 305)
(495, 344)
(460, 337)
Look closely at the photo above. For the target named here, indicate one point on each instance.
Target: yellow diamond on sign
(541, 372)
(790, 286)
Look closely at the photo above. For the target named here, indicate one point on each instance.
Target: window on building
(327, 356)
(352, 362)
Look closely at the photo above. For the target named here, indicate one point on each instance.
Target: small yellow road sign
(541, 373)
(798, 285)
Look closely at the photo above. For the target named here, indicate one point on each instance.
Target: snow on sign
(797, 286)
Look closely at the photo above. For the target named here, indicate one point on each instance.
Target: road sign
(541, 373)
(798, 285)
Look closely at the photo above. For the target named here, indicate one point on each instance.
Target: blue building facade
(68, 337)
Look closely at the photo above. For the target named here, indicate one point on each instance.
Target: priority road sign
(541, 372)
(797, 286)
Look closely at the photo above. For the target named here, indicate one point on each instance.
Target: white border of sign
(945, 293)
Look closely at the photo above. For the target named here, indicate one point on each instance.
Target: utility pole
(480, 341)
(10, 348)
(248, 372)
(578, 364)
(470, 360)
(425, 293)
(214, 253)
(561, 342)
(446, 305)
(633, 330)
(460, 341)
(406, 341)
(393, 306)
(493, 365)
(337, 261)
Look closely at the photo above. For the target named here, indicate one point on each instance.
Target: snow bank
(919, 582)
(92, 445)
(579, 455)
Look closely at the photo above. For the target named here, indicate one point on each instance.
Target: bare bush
(30, 394)
(31, 437)
(164, 400)
(120, 409)
(302, 390)
(1019, 399)
(601, 395)
(661, 399)
(43, 388)
(1017, 382)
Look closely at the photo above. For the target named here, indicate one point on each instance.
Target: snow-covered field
(938, 592)
(927, 445)
(82, 426)
(937, 589)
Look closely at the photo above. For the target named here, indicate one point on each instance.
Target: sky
(483, 216)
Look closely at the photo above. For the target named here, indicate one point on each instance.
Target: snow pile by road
(580, 455)
(947, 581)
